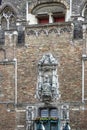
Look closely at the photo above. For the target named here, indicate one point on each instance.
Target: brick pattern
(56, 39)
(69, 72)
(7, 119)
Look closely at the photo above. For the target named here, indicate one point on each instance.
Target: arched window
(50, 12)
(8, 17)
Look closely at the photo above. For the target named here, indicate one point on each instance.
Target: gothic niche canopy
(47, 86)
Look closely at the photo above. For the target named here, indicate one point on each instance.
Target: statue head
(46, 79)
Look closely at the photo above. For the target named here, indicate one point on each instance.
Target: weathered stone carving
(29, 117)
(59, 30)
(65, 112)
(47, 86)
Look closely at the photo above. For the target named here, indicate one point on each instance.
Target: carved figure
(46, 86)
(64, 112)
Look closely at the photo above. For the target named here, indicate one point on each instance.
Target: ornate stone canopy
(49, 8)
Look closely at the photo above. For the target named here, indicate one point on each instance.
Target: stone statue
(64, 112)
(46, 87)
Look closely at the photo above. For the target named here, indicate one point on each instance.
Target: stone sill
(49, 25)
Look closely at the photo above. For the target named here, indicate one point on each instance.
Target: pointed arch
(54, 30)
(42, 31)
(10, 6)
(8, 16)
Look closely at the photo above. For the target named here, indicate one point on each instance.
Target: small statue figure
(46, 87)
(64, 112)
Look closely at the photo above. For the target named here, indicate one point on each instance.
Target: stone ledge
(49, 25)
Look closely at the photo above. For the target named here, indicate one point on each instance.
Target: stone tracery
(8, 18)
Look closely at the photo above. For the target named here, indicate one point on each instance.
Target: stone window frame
(49, 111)
(51, 13)
(42, 17)
(51, 17)
(58, 15)
(47, 121)
(8, 13)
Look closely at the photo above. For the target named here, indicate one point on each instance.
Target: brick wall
(67, 52)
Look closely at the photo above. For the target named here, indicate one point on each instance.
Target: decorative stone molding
(48, 30)
(47, 85)
(36, 3)
(49, 8)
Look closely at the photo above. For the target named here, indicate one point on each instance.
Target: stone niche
(47, 85)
